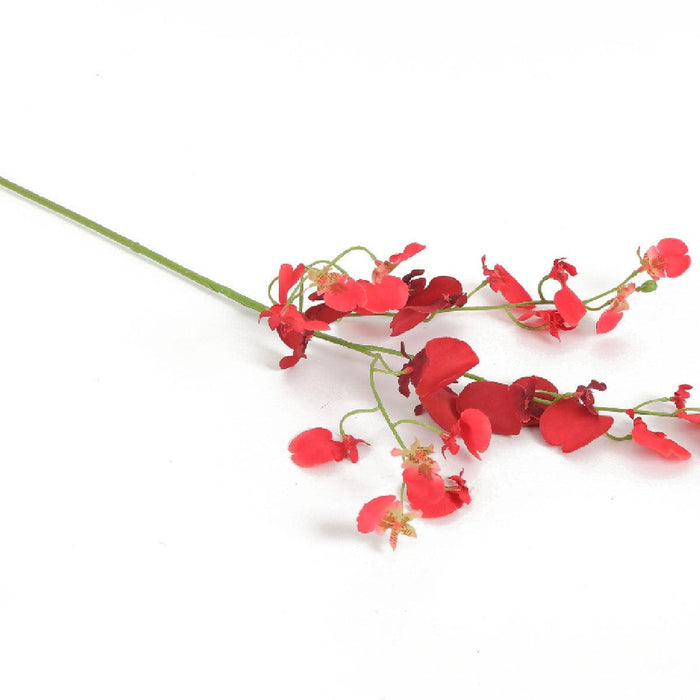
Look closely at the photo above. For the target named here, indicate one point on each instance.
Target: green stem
(380, 404)
(134, 246)
(354, 413)
(420, 423)
(613, 289)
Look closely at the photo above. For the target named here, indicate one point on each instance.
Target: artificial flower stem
(356, 412)
(614, 289)
(380, 403)
(410, 421)
(134, 246)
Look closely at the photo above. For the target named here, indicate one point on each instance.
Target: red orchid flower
(339, 291)
(317, 446)
(451, 498)
(550, 320)
(536, 388)
(384, 268)
(501, 281)
(504, 405)
(385, 294)
(570, 425)
(386, 513)
(681, 395)
(668, 258)
(474, 427)
(441, 362)
(657, 441)
(569, 306)
(422, 488)
(442, 293)
(613, 314)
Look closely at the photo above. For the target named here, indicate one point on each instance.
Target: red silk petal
(657, 441)
(446, 359)
(608, 320)
(504, 405)
(373, 512)
(569, 425)
(422, 490)
(441, 406)
(569, 306)
(387, 294)
(288, 277)
(474, 428)
(316, 446)
(674, 252)
(345, 296)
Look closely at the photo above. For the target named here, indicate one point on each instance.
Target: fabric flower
(385, 294)
(386, 513)
(550, 320)
(535, 387)
(339, 291)
(442, 293)
(657, 441)
(452, 497)
(668, 258)
(681, 395)
(501, 281)
(567, 303)
(504, 405)
(570, 425)
(317, 446)
(382, 268)
(613, 314)
(441, 362)
(474, 427)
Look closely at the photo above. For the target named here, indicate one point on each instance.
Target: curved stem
(613, 289)
(420, 423)
(349, 414)
(380, 403)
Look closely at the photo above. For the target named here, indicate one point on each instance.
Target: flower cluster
(461, 409)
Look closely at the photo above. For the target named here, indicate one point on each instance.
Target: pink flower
(386, 513)
(613, 314)
(668, 258)
(317, 446)
(657, 441)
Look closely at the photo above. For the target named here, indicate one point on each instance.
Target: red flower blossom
(423, 488)
(441, 406)
(474, 428)
(441, 362)
(337, 290)
(657, 441)
(668, 258)
(384, 268)
(449, 441)
(550, 320)
(504, 405)
(535, 387)
(613, 314)
(570, 425)
(453, 497)
(385, 294)
(442, 293)
(681, 395)
(569, 306)
(317, 446)
(386, 513)
(500, 280)
(584, 394)
(690, 417)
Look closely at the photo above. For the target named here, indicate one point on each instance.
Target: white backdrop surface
(155, 539)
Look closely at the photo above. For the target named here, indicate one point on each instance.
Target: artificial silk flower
(668, 258)
(566, 302)
(386, 513)
(422, 487)
(452, 497)
(613, 314)
(536, 388)
(681, 395)
(339, 291)
(385, 294)
(382, 268)
(317, 446)
(501, 281)
(474, 427)
(504, 405)
(441, 362)
(570, 425)
(442, 292)
(417, 456)
(657, 441)
(550, 320)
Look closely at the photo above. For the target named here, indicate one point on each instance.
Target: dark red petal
(406, 319)
(569, 425)
(316, 446)
(607, 321)
(433, 296)
(408, 252)
(504, 405)
(441, 406)
(474, 428)
(387, 294)
(533, 387)
(446, 359)
(323, 313)
(569, 306)
(657, 441)
(373, 512)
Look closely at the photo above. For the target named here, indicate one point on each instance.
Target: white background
(155, 539)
